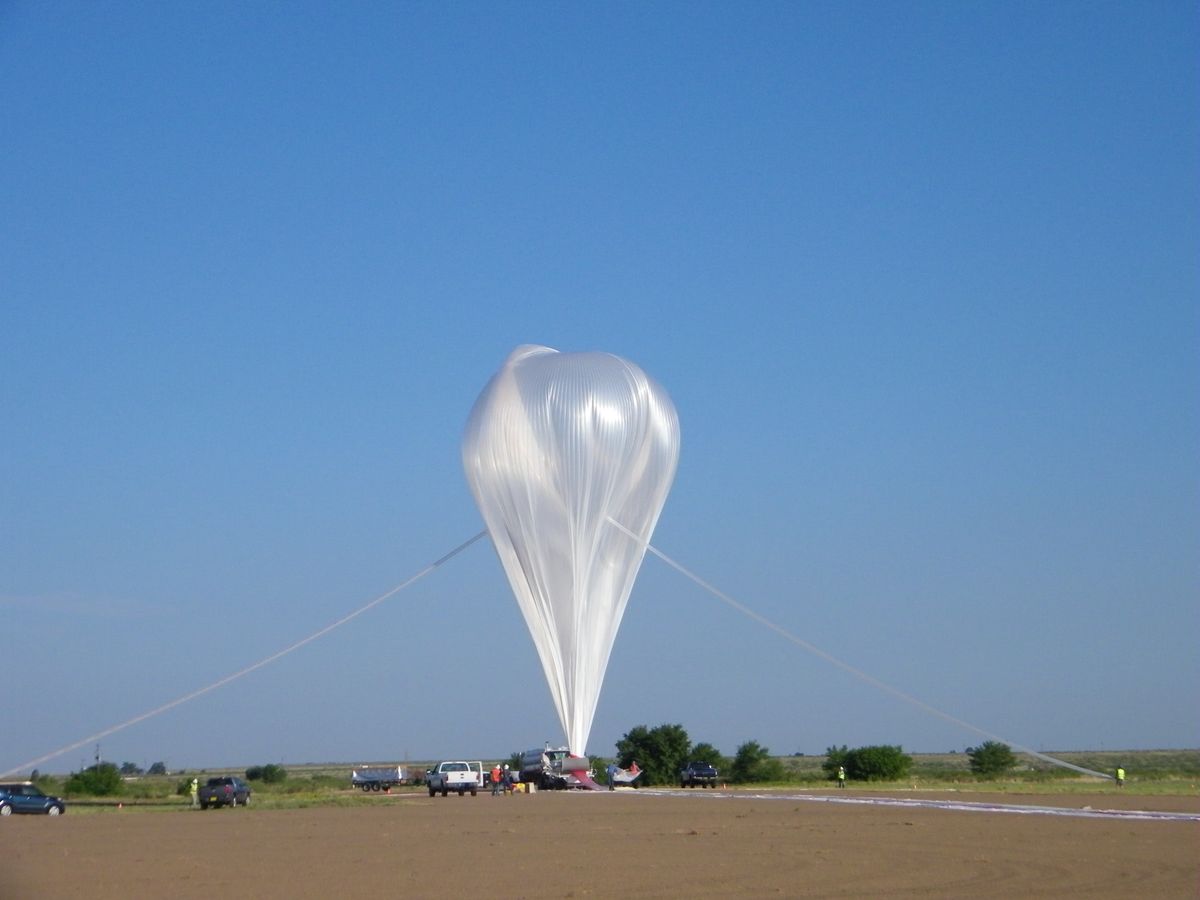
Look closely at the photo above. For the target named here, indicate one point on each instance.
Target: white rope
(720, 595)
(846, 667)
(179, 701)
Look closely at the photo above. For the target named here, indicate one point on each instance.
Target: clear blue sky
(922, 280)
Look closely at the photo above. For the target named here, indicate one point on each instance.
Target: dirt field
(624, 844)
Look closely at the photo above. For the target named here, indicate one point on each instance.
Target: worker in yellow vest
(1120, 776)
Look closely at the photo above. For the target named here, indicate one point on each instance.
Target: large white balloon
(558, 447)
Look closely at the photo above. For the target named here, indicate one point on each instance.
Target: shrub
(877, 763)
(835, 757)
(268, 774)
(100, 780)
(991, 758)
(754, 763)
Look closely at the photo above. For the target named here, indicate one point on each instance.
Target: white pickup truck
(454, 775)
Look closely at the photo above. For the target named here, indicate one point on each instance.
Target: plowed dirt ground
(623, 844)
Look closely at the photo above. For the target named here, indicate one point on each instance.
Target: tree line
(663, 751)
(660, 752)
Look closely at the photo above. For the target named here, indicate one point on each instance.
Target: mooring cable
(846, 667)
(178, 701)
(716, 592)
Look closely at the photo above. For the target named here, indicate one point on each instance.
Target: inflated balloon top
(570, 457)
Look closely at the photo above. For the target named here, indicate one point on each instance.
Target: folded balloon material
(558, 447)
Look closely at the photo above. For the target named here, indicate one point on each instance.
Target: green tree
(703, 752)
(754, 763)
(100, 780)
(877, 763)
(128, 768)
(274, 774)
(835, 757)
(991, 758)
(660, 752)
(268, 774)
(157, 768)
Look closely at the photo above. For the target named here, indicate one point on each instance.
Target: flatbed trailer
(378, 778)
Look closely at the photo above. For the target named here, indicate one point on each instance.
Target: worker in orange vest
(496, 775)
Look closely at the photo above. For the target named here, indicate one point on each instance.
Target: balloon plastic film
(556, 446)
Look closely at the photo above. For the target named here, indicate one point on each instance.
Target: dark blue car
(28, 798)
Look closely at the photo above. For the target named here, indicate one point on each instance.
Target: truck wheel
(375, 786)
(233, 800)
(432, 792)
(445, 792)
(366, 787)
(473, 791)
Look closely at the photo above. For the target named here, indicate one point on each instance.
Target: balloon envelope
(558, 447)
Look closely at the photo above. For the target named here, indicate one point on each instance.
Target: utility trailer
(378, 778)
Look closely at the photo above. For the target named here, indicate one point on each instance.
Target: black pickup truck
(226, 791)
(698, 773)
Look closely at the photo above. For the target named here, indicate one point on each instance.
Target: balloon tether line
(248, 669)
(720, 595)
(846, 667)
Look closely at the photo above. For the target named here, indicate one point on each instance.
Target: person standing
(496, 776)
(611, 771)
(194, 790)
(841, 776)
(1120, 776)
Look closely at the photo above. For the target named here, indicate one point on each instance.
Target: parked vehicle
(378, 778)
(227, 790)
(453, 775)
(27, 797)
(698, 774)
